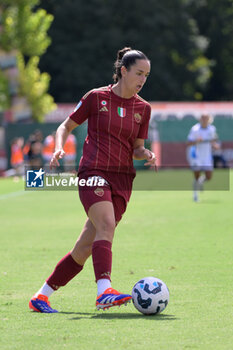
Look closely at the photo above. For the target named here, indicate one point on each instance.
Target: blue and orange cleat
(41, 304)
(111, 297)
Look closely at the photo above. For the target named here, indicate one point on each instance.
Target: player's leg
(103, 218)
(208, 175)
(196, 174)
(73, 262)
(83, 247)
(201, 180)
(93, 197)
(66, 269)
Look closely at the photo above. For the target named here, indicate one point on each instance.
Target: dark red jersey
(114, 123)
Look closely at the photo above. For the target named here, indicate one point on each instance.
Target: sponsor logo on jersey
(137, 117)
(103, 103)
(99, 192)
(121, 112)
(78, 106)
(103, 109)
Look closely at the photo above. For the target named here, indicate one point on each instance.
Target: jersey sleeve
(192, 135)
(214, 133)
(143, 131)
(83, 109)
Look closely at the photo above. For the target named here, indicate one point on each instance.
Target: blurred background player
(154, 139)
(218, 157)
(33, 150)
(201, 141)
(48, 148)
(70, 152)
(118, 120)
(17, 157)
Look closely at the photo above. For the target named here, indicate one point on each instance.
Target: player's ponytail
(126, 57)
(121, 52)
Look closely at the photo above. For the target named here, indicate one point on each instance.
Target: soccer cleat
(111, 297)
(41, 304)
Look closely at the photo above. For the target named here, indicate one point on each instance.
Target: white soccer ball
(150, 296)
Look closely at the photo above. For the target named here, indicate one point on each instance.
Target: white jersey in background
(200, 155)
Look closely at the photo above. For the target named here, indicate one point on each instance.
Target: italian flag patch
(121, 112)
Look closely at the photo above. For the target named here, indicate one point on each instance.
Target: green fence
(177, 130)
(170, 131)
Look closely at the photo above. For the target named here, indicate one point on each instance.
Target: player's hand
(215, 146)
(199, 140)
(151, 159)
(59, 154)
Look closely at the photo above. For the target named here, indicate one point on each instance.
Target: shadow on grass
(106, 315)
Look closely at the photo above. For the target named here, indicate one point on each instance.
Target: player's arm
(215, 141)
(200, 140)
(140, 153)
(61, 136)
(195, 142)
(193, 138)
(191, 143)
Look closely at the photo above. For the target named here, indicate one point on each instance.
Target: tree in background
(87, 34)
(4, 92)
(215, 21)
(24, 34)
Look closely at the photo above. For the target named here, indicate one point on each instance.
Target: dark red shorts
(117, 190)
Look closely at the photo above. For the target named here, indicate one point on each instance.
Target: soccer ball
(150, 296)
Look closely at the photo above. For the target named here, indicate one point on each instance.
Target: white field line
(13, 194)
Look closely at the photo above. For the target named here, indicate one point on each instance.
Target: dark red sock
(65, 270)
(102, 259)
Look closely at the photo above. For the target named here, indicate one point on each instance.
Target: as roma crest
(137, 117)
(99, 192)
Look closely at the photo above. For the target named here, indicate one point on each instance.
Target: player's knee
(105, 229)
(107, 224)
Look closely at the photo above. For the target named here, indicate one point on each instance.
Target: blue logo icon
(35, 178)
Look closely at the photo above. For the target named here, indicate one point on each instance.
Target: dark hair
(126, 57)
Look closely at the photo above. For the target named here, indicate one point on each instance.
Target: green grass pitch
(163, 234)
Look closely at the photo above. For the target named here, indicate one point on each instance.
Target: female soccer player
(201, 139)
(117, 125)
